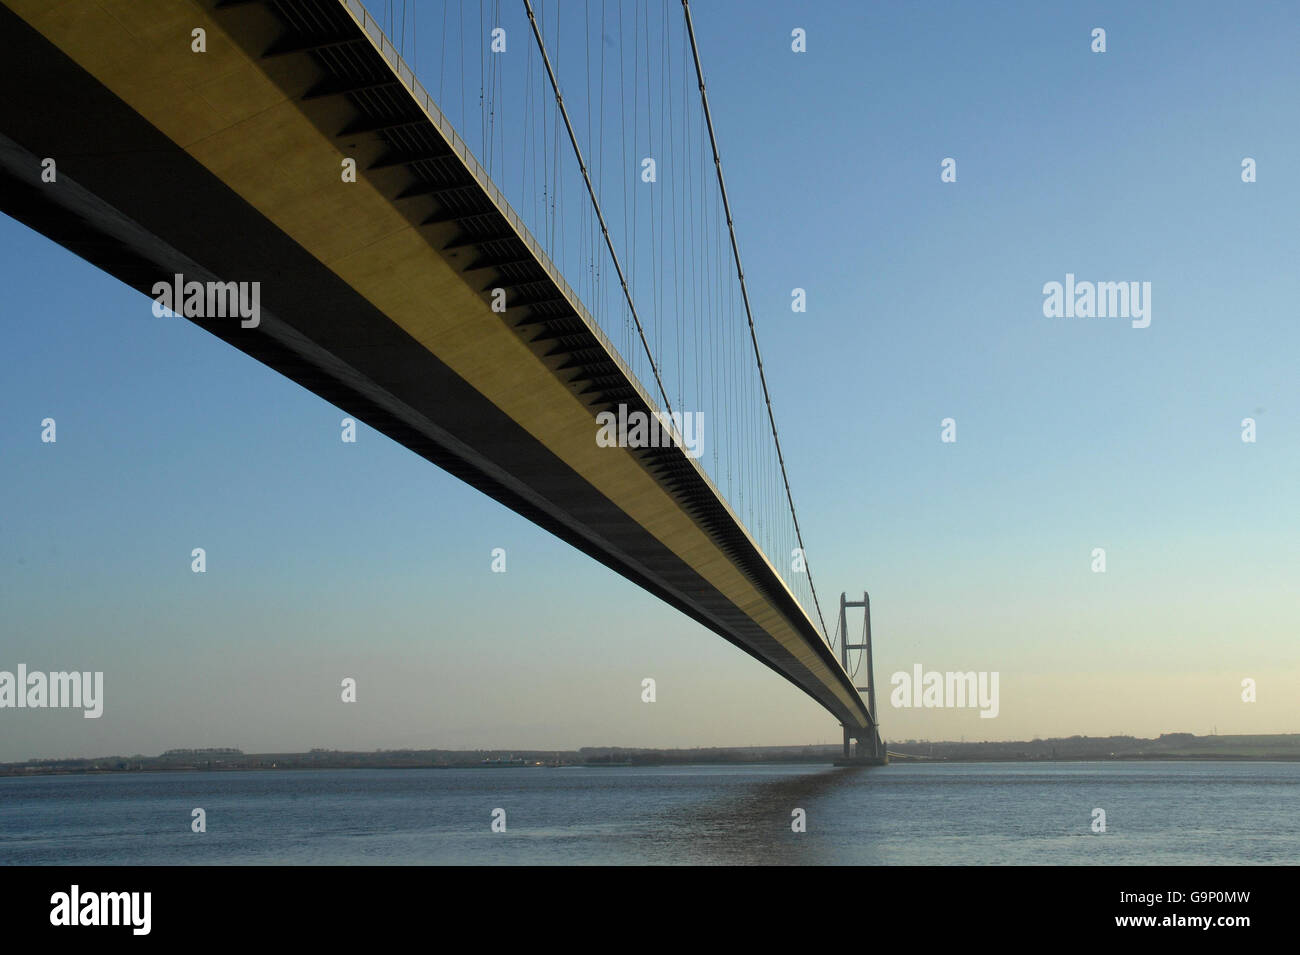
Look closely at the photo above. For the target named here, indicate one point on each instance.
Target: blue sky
(925, 299)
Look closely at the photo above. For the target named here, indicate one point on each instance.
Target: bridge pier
(867, 749)
(870, 748)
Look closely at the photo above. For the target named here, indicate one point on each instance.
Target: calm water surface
(972, 813)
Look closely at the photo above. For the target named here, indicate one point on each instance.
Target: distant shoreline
(1074, 749)
(6, 773)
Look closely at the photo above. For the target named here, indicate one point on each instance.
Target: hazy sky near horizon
(925, 301)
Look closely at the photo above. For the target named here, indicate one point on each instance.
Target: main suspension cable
(573, 139)
(749, 315)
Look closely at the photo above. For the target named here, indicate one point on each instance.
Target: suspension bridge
(491, 270)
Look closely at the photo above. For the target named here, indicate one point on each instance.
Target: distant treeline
(1167, 746)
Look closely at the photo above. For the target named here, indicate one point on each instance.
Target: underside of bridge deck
(375, 294)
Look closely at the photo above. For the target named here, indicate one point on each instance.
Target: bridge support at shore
(862, 747)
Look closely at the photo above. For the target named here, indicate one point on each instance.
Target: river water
(1169, 813)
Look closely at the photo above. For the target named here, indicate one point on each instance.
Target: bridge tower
(870, 749)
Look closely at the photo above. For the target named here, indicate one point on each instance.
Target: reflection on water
(1167, 813)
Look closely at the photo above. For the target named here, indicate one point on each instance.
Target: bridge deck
(375, 294)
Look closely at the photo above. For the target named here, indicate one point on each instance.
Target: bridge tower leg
(844, 662)
(870, 749)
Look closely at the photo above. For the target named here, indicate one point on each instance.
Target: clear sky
(925, 301)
